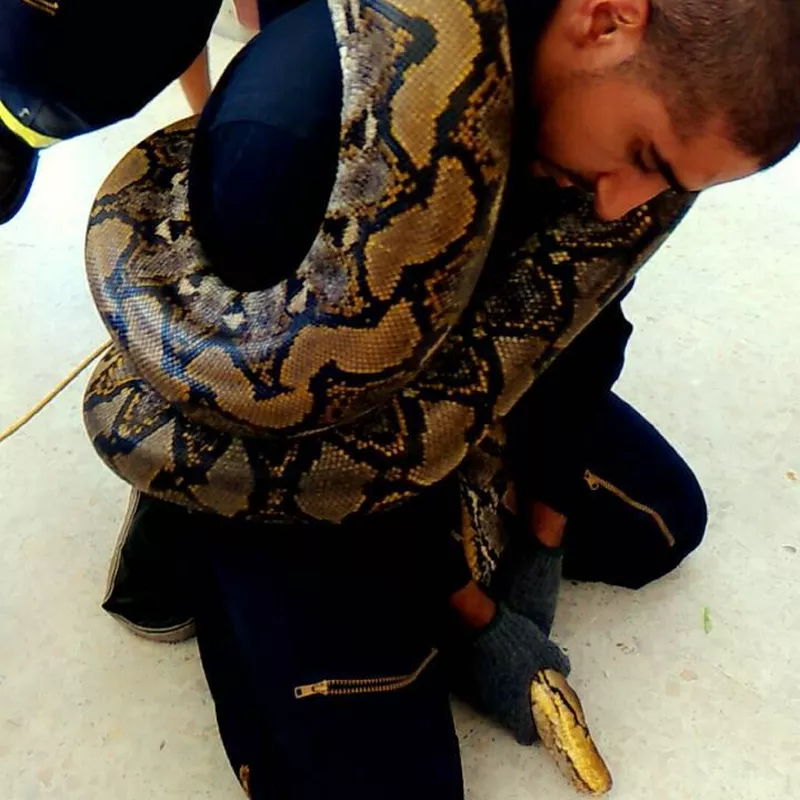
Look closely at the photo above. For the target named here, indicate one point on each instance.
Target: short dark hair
(739, 59)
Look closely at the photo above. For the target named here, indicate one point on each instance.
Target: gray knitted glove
(528, 578)
(493, 671)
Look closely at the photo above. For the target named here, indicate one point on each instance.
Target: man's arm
(549, 428)
(547, 432)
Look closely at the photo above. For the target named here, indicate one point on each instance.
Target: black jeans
(641, 510)
(280, 608)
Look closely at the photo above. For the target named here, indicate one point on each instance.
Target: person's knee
(686, 517)
(687, 526)
(694, 519)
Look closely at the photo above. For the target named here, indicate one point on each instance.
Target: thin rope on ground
(44, 402)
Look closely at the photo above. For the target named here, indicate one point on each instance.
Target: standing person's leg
(247, 12)
(196, 82)
(319, 648)
(641, 510)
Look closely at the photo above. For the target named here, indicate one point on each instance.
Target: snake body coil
(372, 372)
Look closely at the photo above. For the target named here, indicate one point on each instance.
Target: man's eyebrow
(665, 168)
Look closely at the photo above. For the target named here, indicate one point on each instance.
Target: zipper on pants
(595, 482)
(352, 686)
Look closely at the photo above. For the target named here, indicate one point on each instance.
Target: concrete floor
(88, 712)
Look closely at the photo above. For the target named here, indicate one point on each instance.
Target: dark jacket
(548, 429)
(70, 66)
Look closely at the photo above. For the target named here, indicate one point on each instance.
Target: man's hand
(476, 609)
(547, 524)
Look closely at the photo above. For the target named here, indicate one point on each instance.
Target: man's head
(633, 96)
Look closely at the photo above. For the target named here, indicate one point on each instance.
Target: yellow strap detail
(49, 7)
(28, 135)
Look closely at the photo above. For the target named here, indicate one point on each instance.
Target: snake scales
(382, 365)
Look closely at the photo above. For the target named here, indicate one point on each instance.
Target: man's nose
(617, 193)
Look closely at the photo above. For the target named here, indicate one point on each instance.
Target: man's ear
(613, 29)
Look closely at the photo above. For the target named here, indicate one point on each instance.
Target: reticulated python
(377, 368)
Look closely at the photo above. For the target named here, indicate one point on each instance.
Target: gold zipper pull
(310, 689)
(591, 479)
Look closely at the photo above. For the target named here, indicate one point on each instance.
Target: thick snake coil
(382, 364)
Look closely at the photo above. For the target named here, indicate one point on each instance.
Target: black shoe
(148, 589)
(17, 169)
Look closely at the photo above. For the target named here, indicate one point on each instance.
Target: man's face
(605, 129)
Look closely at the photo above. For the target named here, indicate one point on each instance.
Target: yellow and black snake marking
(561, 724)
(372, 372)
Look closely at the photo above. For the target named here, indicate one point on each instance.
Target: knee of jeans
(687, 524)
(694, 519)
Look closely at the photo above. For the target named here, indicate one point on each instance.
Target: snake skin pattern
(561, 724)
(376, 370)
